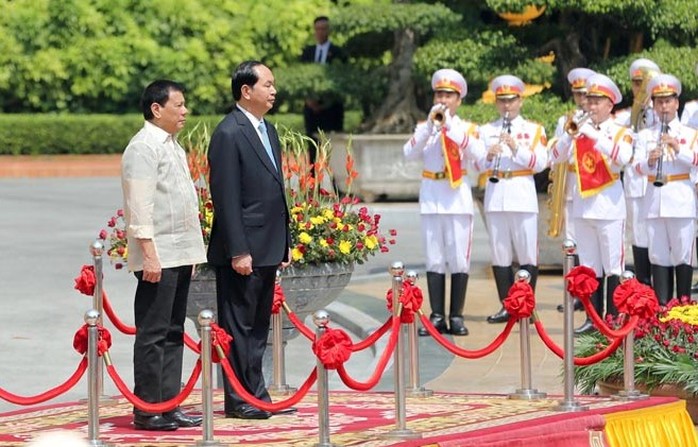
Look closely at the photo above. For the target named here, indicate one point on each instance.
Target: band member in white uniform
(689, 116)
(666, 153)
(601, 149)
(516, 149)
(577, 77)
(445, 144)
(635, 185)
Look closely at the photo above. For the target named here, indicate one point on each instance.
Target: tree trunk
(399, 111)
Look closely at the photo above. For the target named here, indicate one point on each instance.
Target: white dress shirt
(160, 201)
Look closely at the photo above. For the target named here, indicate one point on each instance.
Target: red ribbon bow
(333, 348)
(103, 340)
(636, 299)
(520, 300)
(411, 299)
(86, 281)
(581, 282)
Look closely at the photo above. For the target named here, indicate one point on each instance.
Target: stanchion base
(325, 444)
(210, 443)
(281, 390)
(98, 443)
(103, 400)
(527, 394)
(570, 406)
(419, 392)
(629, 395)
(401, 434)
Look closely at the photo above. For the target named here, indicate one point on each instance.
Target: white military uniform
(689, 116)
(599, 220)
(511, 205)
(635, 185)
(670, 209)
(447, 213)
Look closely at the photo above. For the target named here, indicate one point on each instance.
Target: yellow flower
(371, 242)
(327, 213)
(323, 243)
(296, 210)
(688, 314)
(345, 247)
(304, 238)
(317, 220)
(296, 254)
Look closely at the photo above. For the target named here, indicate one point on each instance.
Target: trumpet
(438, 116)
(506, 127)
(572, 125)
(659, 178)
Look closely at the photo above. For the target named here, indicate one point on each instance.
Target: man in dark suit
(322, 113)
(250, 236)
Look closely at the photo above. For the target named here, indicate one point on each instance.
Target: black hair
(321, 19)
(158, 92)
(244, 74)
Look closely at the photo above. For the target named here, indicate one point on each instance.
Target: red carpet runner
(445, 420)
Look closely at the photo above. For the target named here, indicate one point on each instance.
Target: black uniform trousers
(160, 309)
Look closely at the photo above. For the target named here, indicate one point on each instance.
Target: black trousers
(244, 311)
(160, 309)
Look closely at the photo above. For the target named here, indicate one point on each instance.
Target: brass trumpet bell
(572, 126)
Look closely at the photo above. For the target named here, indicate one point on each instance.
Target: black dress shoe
(500, 317)
(288, 410)
(587, 326)
(153, 423)
(182, 419)
(438, 321)
(456, 326)
(577, 306)
(246, 411)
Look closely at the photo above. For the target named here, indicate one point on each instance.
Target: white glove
(437, 110)
(589, 130)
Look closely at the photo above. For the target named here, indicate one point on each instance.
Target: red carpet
(445, 420)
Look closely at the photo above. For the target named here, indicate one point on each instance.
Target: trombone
(506, 127)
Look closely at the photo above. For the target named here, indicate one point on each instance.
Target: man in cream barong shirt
(164, 243)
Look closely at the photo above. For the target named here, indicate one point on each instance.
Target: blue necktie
(266, 142)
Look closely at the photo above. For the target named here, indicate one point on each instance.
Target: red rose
(103, 234)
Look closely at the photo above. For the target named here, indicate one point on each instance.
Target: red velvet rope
(50, 394)
(380, 367)
(261, 404)
(411, 298)
(371, 339)
(520, 300)
(279, 299)
(159, 407)
(476, 354)
(302, 328)
(578, 361)
(604, 328)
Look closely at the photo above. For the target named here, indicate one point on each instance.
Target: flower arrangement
(324, 226)
(665, 351)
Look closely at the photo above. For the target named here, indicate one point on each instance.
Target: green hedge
(44, 134)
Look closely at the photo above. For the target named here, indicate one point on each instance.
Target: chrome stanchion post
(92, 320)
(629, 393)
(569, 248)
(206, 317)
(278, 385)
(321, 319)
(526, 392)
(414, 389)
(397, 270)
(97, 250)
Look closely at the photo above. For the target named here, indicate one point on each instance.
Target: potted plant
(666, 356)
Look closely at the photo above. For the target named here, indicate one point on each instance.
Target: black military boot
(684, 275)
(611, 284)
(436, 286)
(459, 285)
(662, 283)
(597, 299)
(641, 260)
(503, 278)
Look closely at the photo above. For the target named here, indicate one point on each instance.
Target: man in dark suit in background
(322, 113)
(250, 235)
